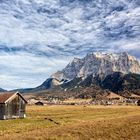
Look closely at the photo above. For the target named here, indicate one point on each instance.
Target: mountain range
(116, 72)
(101, 64)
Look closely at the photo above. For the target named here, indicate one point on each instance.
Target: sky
(40, 37)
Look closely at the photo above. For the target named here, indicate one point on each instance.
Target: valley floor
(74, 123)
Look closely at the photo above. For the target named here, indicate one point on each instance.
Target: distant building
(12, 105)
(39, 103)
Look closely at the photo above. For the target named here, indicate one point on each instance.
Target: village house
(12, 105)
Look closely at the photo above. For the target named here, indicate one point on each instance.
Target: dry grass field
(74, 123)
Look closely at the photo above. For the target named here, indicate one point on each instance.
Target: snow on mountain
(101, 64)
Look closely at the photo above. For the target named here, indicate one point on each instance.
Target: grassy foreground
(74, 123)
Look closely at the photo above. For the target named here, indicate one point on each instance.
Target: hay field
(74, 123)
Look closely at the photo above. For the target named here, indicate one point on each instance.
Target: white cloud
(20, 67)
(73, 14)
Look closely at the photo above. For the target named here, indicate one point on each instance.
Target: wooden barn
(12, 105)
(39, 103)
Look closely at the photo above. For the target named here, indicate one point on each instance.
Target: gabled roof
(4, 97)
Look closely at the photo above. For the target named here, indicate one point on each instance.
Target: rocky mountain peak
(102, 64)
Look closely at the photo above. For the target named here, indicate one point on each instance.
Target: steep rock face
(127, 63)
(105, 64)
(70, 71)
(73, 68)
(99, 64)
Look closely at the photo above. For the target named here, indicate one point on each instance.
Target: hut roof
(4, 97)
(39, 102)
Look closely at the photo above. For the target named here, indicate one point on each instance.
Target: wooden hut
(39, 103)
(12, 105)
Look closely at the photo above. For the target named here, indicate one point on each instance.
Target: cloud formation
(39, 37)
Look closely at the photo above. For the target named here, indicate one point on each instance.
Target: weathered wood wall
(2, 111)
(14, 108)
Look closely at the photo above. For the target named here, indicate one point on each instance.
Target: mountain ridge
(93, 63)
(100, 71)
(101, 64)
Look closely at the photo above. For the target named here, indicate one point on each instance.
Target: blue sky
(39, 37)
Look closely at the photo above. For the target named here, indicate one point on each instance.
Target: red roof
(5, 96)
